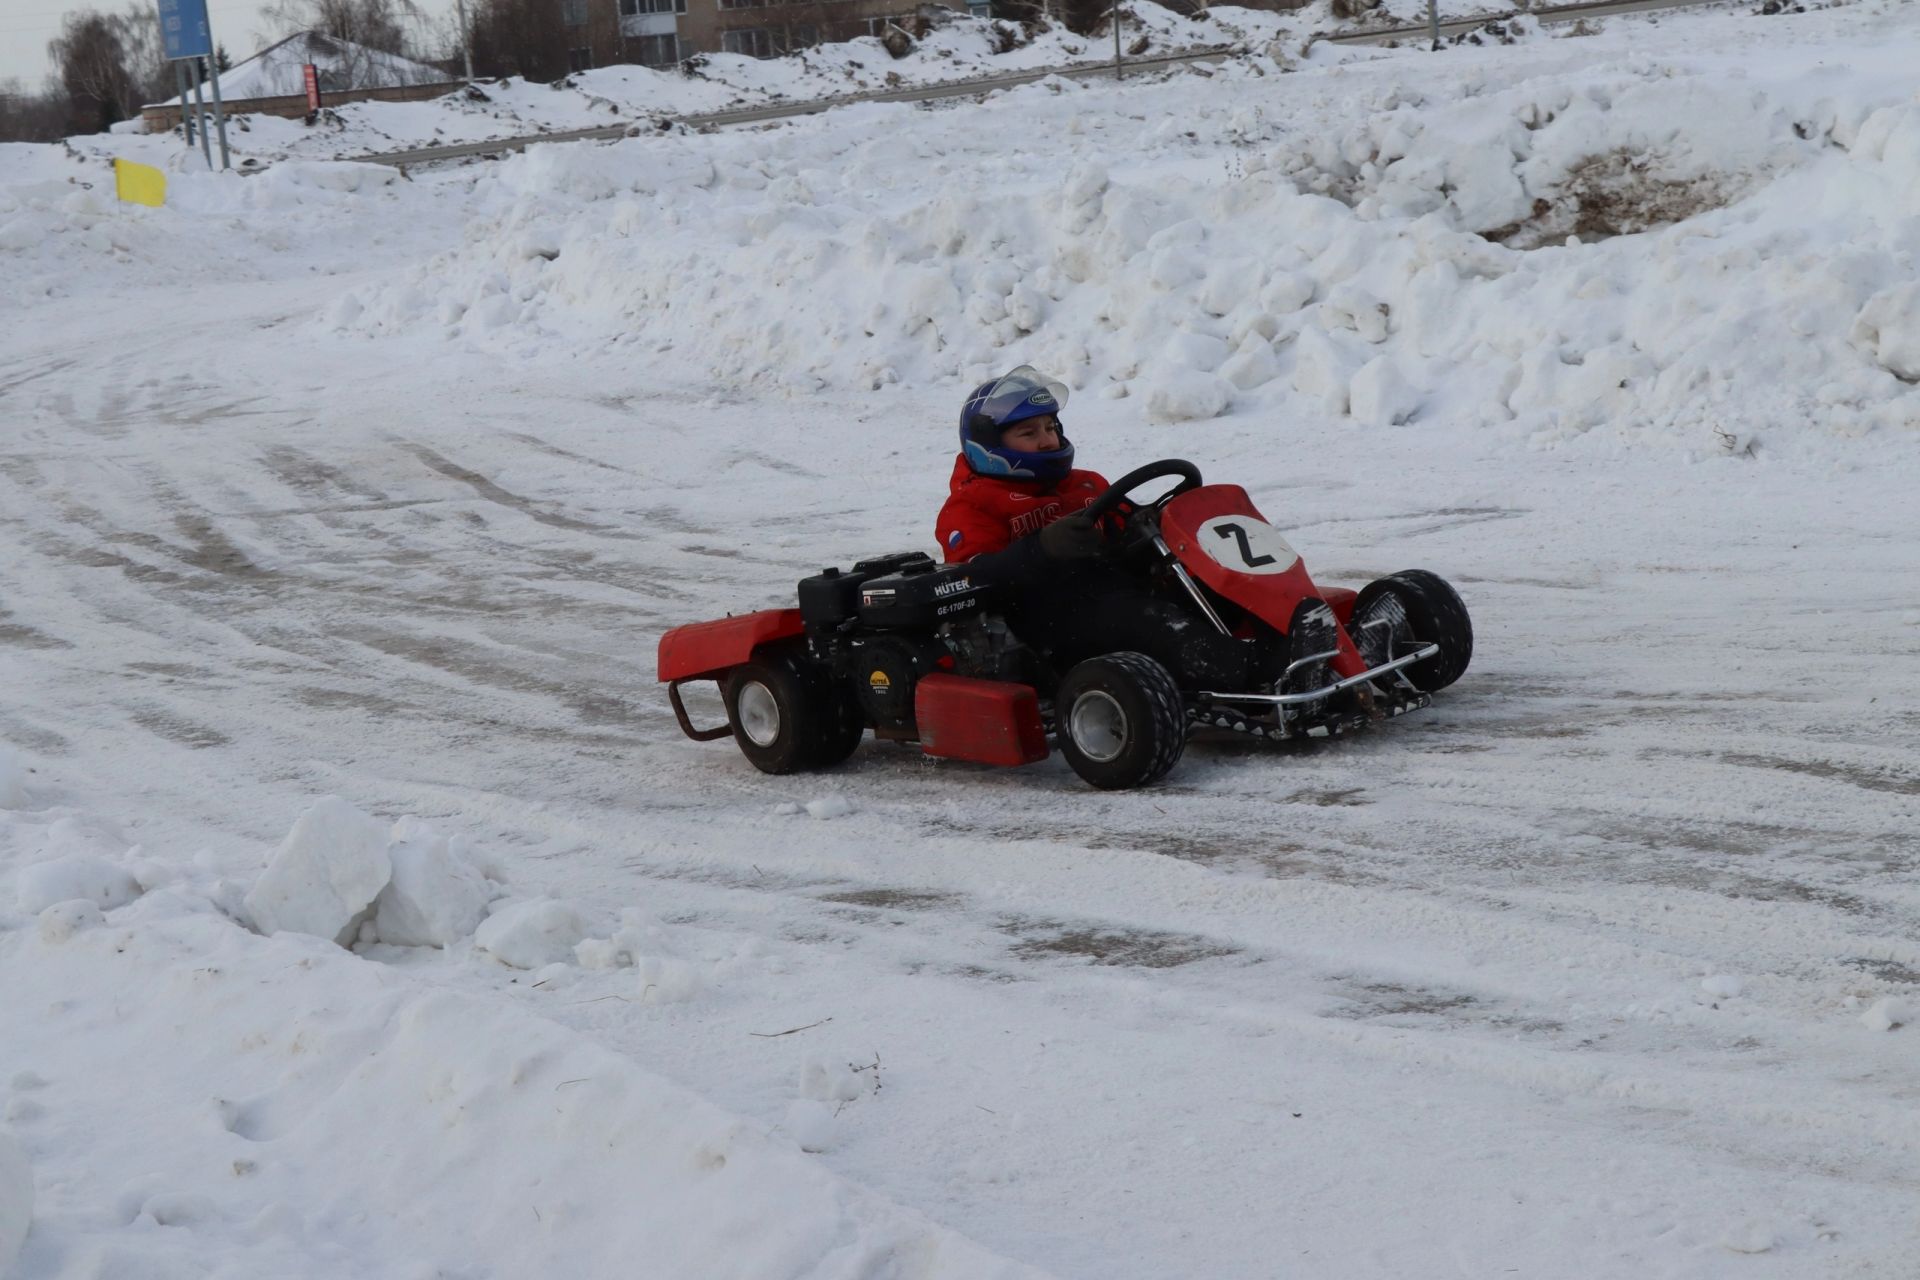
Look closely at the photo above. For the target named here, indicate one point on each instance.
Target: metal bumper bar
(1314, 695)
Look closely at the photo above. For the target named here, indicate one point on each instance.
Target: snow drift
(1753, 272)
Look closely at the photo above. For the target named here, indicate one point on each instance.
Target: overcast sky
(27, 25)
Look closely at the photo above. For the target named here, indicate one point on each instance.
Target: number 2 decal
(1239, 535)
(1246, 544)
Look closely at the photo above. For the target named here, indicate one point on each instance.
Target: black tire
(786, 714)
(1120, 721)
(1418, 608)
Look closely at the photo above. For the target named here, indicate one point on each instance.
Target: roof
(276, 71)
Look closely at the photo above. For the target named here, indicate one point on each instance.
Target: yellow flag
(139, 183)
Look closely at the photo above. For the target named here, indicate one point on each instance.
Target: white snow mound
(75, 876)
(532, 933)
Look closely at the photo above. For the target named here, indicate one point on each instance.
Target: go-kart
(919, 652)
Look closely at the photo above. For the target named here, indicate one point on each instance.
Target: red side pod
(986, 721)
(704, 649)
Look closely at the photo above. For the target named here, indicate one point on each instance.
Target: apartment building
(658, 33)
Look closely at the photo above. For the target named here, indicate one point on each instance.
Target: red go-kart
(919, 652)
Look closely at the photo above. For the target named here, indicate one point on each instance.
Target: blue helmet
(993, 407)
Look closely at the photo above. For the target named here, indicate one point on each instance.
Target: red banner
(312, 76)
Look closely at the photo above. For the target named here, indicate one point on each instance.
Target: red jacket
(986, 513)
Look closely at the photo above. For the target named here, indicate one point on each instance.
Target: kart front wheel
(1414, 607)
(787, 716)
(1120, 721)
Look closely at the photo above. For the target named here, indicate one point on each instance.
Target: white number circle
(1247, 545)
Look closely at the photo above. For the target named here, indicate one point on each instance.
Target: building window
(634, 8)
(802, 36)
(755, 42)
(656, 51)
(573, 12)
(580, 59)
(741, 4)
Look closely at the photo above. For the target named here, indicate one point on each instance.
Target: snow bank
(342, 1090)
(1735, 252)
(16, 1200)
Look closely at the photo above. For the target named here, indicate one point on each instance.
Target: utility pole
(1117, 73)
(1433, 22)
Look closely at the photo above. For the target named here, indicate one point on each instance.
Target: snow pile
(340, 1090)
(835, 258)
(1532, 164)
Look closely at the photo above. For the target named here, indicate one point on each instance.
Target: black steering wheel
(1117, 492)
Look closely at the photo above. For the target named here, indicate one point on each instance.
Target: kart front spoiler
(1231, 710)
(1324, 691)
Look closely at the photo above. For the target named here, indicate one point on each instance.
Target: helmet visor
(1022, 394)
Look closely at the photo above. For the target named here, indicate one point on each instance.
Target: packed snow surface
(364, 911)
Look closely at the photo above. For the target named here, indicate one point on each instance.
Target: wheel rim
(1098, 726)
(759, 713)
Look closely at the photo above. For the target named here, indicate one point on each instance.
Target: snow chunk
(1750, 1237)
(75, 876)
(324, 875)
(526, 935)
(1721, 986)
(436, 897)
(1379, 396)
(826, 1078)
(1888, 329)
(665, 980)
(811, 1125)
(833, 806)
(64, 919)
(1185, 395)
(16, 1200)
(1887, 1014)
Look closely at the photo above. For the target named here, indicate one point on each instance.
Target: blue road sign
(183, 29)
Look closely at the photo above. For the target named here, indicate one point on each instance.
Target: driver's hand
(1074, 537)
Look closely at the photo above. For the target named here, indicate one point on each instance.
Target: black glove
(1074, 537)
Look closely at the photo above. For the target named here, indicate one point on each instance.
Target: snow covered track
(1607, 965)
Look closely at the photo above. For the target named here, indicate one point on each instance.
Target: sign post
(310, 75)
(185, 36)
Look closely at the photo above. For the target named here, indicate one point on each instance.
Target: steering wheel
(1117, 492)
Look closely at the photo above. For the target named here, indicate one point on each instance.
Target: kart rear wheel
(1120, 721)
(787, 716)
(1414, 607)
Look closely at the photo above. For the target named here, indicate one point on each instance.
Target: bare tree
(31, 117)
(382, 25)
(519, 38)
(109, 65)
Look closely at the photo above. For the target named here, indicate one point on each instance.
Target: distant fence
(162, 116)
